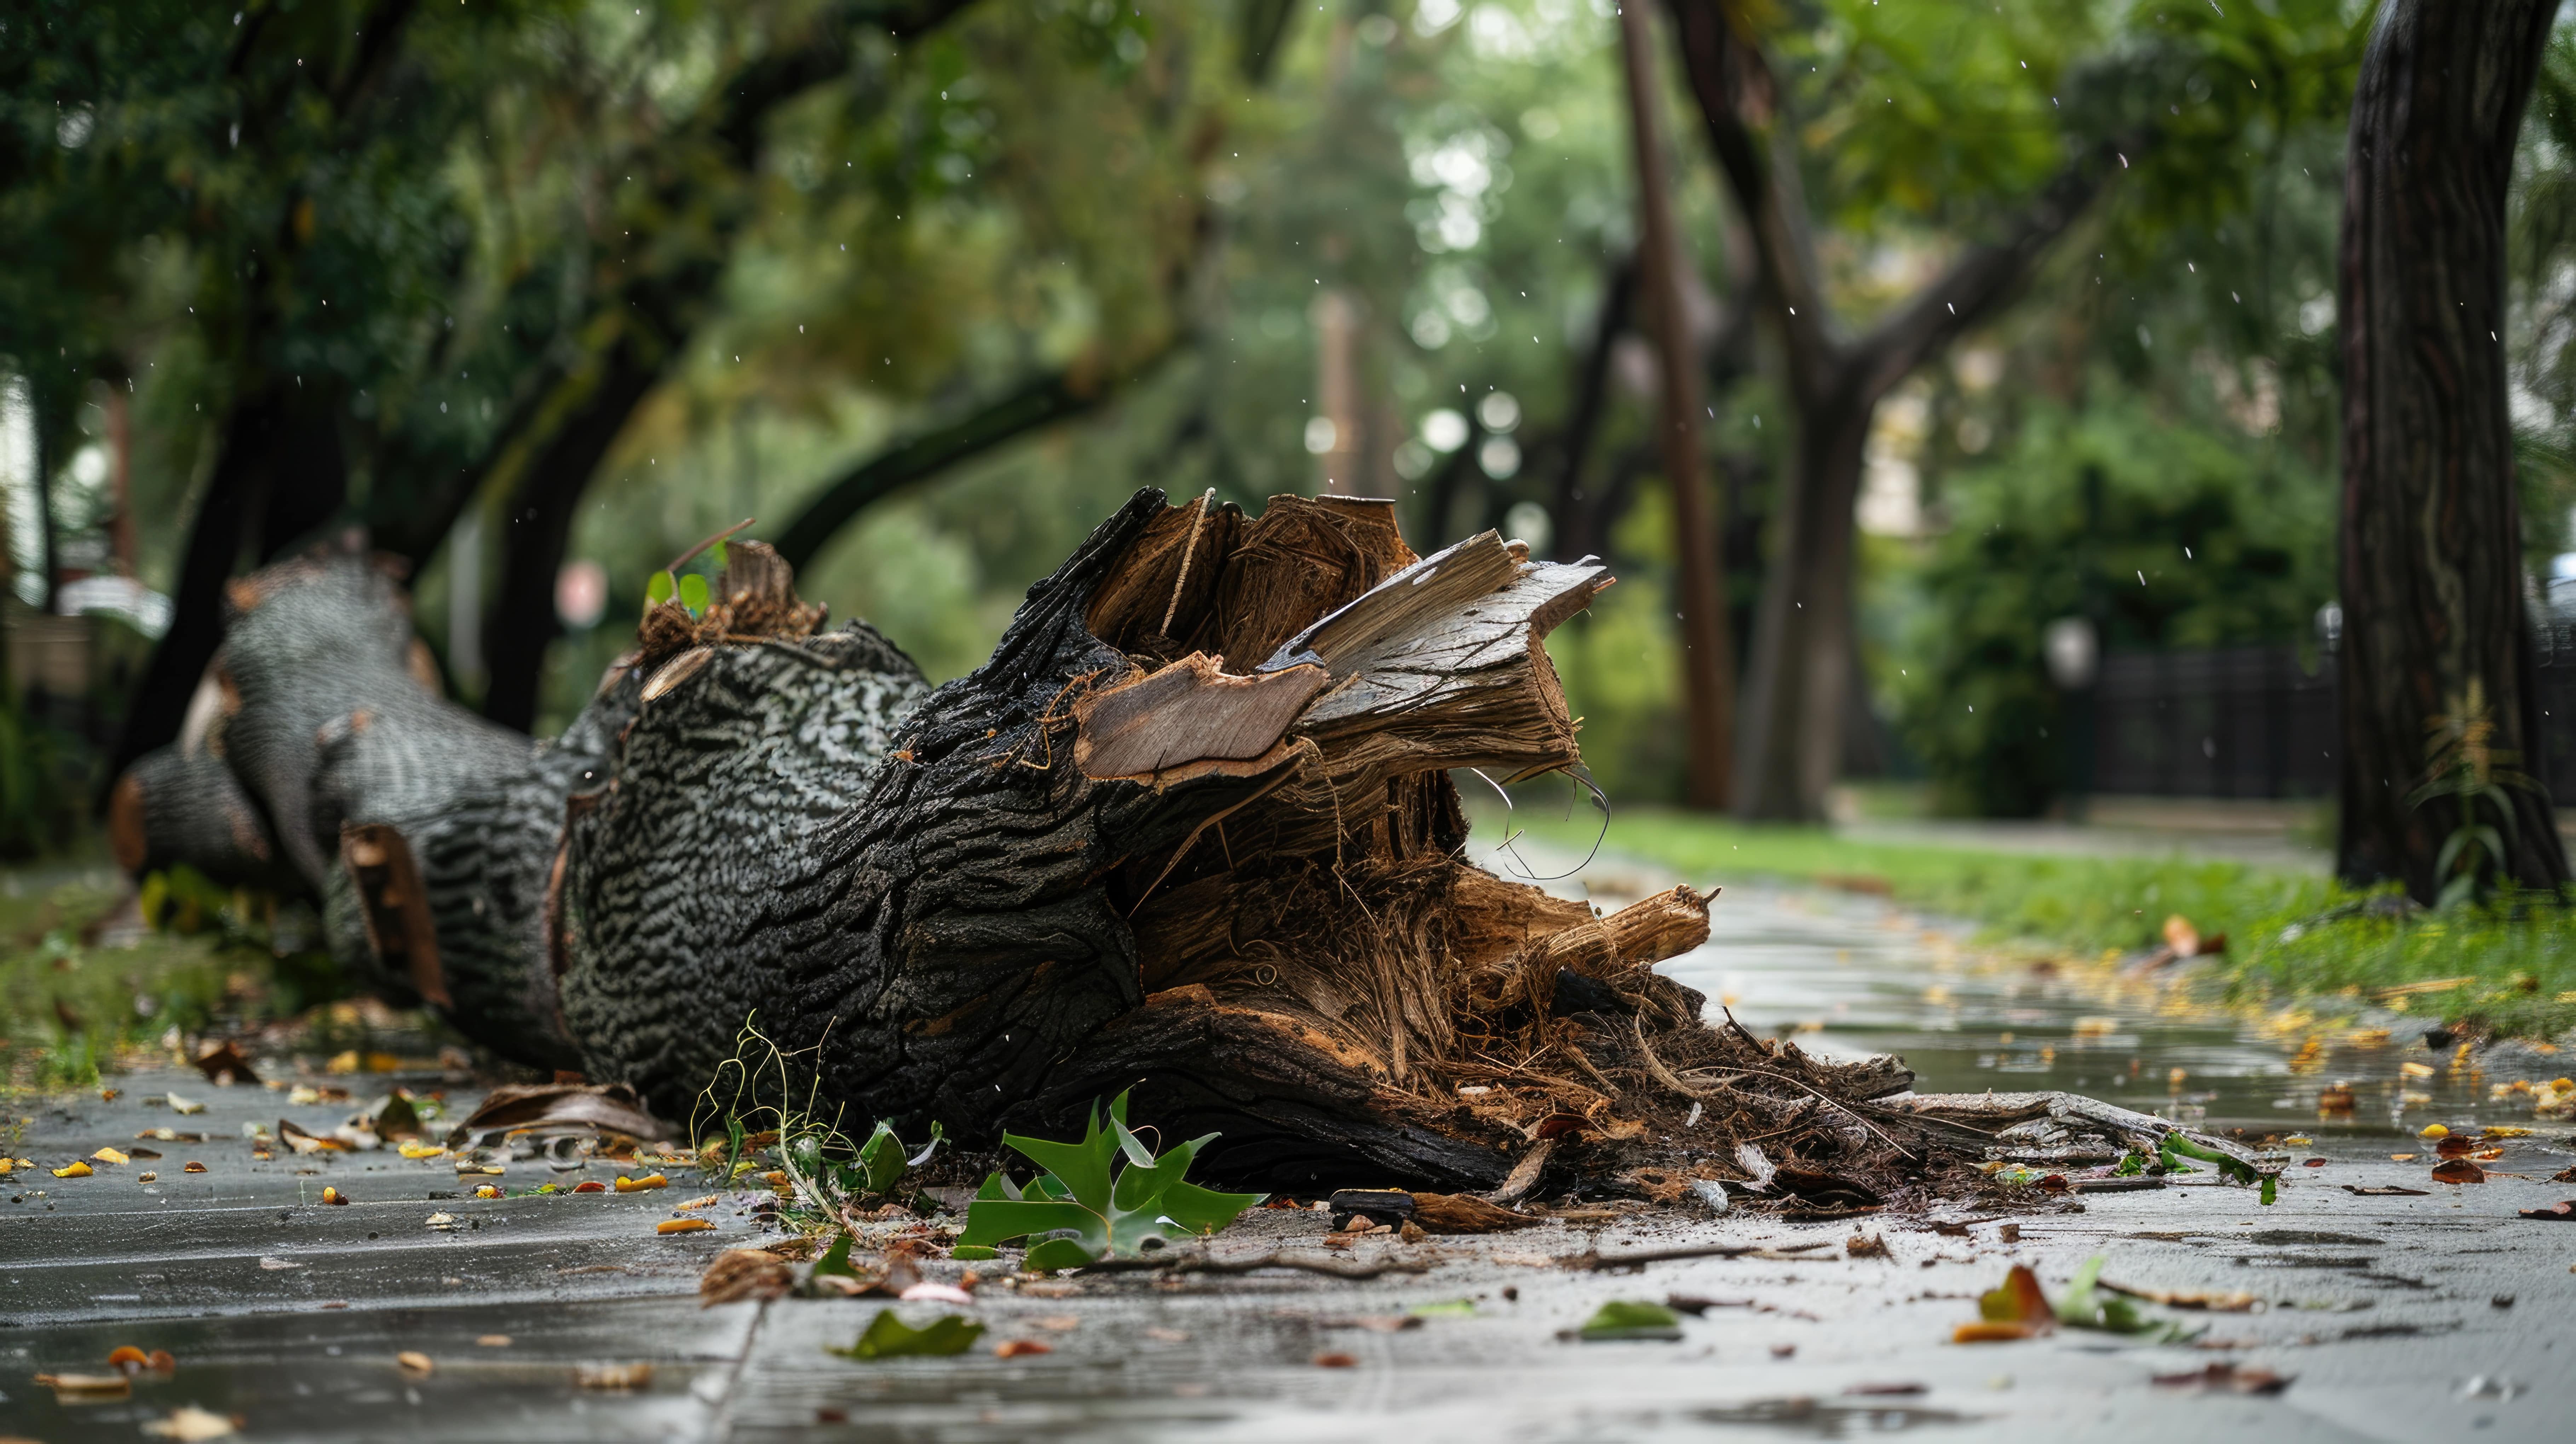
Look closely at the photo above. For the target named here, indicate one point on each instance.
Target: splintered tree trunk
(1189, 833)
(2435, 644)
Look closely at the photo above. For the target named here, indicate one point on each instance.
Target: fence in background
(2255, 722)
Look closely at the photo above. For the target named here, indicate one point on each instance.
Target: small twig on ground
(1304, 1263)
(1600, 1262)
(693, 553)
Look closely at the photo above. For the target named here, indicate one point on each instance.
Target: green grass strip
(2292, 937)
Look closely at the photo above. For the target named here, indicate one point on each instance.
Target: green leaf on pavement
(888, 1337)
(1622, 1319)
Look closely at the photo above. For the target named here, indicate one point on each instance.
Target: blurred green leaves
(2162, 531)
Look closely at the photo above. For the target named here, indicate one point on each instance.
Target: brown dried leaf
(744, 1273)
(2227, 1379)
(2458, 1170)
(1457, 1213)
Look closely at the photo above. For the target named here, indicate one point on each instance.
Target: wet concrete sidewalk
(2397, 1317)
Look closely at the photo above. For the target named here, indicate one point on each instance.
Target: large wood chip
(1189, 712)
(1466, 1213)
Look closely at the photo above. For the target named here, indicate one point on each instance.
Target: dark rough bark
(2434, 626)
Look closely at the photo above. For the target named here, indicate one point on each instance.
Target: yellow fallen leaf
(191, 1423)
(638, 1185)
(415, 1362)
(612, 1376)
(487, 1191)
(76, 1169)
(710, 1201)
(345, 1063)
(383, 1063)
(2433, 1130)
(681, 1225)
(109, 1155)
(69, 1387)
(492, 1341)
(183, 1106)
(2502, 1130)
(421, 1150)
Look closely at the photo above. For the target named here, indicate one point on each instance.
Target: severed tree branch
(1985, 278)
(1040, 401)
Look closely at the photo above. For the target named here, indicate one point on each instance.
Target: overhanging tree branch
(1984, 279)
(1055, 396)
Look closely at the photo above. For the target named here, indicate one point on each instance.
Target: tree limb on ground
(1188, 834)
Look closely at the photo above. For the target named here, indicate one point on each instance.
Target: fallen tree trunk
(1189, 832)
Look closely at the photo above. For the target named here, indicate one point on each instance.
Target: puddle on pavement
(1855, 976)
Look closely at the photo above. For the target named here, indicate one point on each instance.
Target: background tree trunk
(1803, 632)
(1791, 742)
(1708, 650)
(2434, 626)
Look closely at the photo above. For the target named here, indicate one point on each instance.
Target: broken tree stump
(1189, 833)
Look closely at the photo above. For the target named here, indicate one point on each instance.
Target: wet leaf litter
(1566, 1258)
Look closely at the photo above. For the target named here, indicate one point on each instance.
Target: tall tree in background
(2440, 707)
(1708, 651)
(1791, 735)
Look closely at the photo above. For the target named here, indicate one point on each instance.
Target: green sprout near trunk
(1086, 1207)
(2463, 764)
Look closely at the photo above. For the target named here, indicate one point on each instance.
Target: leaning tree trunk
(2435, 641)
(1189, 833)
(1792, 740)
